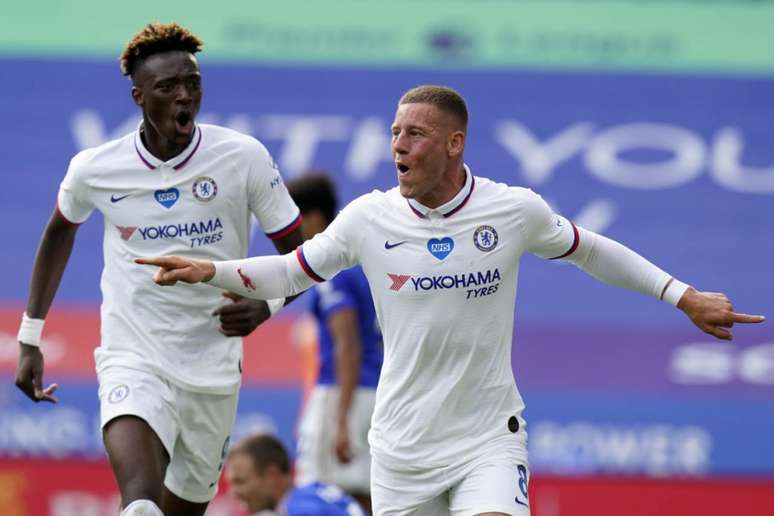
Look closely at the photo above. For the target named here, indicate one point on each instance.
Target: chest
(168, 197)
(467, 258)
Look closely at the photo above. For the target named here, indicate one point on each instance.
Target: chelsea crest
(205, 188)
(485, 238)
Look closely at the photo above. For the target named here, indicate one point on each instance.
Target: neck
(160, 146)
(282, 488)
(454, 181)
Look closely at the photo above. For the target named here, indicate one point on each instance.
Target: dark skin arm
(50, 261)
(244, 315)
(344, 328)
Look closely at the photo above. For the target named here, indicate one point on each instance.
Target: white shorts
(194, 427)
(496, 481)
(316, 458)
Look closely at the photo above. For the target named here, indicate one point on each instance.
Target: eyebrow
(193, 73)
(412, 126)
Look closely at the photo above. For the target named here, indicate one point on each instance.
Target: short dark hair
(156, 38)
(314, 191)
(442, 97)
(265, 450)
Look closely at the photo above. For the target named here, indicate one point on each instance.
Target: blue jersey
(348, 290)
(320, 499)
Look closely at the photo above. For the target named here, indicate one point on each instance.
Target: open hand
(175, 268)
(712, 312)
(29, 375)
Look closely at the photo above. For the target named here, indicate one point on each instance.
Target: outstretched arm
(260, 277)
(616, 264)
(244, 315)
(50, 261)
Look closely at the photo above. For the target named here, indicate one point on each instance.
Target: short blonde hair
(442, 97)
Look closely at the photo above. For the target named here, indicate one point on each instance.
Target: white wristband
(275, 305)
(30, 331)
(673, 291)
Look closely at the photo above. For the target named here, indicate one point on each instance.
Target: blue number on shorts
(523, 487)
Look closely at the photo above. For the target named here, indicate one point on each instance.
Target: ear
(137, 96)
(456, 143)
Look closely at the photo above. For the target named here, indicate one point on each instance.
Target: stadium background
(650, 121)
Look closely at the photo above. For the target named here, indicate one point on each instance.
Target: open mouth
(402, 168)
(184, 122)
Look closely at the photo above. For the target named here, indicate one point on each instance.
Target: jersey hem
(575, 243)
(306, 267)
(66, 219)
(286, 230)
(176, 380)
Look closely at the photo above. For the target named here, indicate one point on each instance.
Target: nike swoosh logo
(113, 198)
(388, 245)
(521, 503)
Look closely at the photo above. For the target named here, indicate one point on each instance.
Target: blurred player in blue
(333, 433)
(258, 473)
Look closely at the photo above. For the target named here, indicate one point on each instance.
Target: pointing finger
(159, 261)
(747, 318)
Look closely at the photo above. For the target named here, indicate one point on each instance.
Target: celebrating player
(333, 433)
(441, 254)
(168, 365)
(258, 473)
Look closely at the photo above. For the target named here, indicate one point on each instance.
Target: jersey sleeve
(268, 196)
(547, 234)
(338, 247)
(74, 198)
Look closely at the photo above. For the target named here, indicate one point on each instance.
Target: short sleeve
(547, 234)
(74, 197)
(268, 196)
(338, 247)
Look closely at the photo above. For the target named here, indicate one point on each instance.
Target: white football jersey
(197, 204)
(444, 287)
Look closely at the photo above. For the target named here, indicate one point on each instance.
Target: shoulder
(528, 199)
(305, 501)
(368, 205)
(103, 156)
(224, 139)
(518, 196)
(487, 189)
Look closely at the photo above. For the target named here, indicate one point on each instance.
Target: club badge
(485, 238)
(118, 393)
(205, 188)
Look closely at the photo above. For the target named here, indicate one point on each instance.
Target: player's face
(168, 87)
(247, 484)
(424, 144)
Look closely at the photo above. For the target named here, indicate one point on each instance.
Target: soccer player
(258, 473)
(441, 254)
(333, 433)
(168, 365)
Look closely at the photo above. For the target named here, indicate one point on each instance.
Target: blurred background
(649, 121)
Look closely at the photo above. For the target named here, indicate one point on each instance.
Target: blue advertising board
(681, 169)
